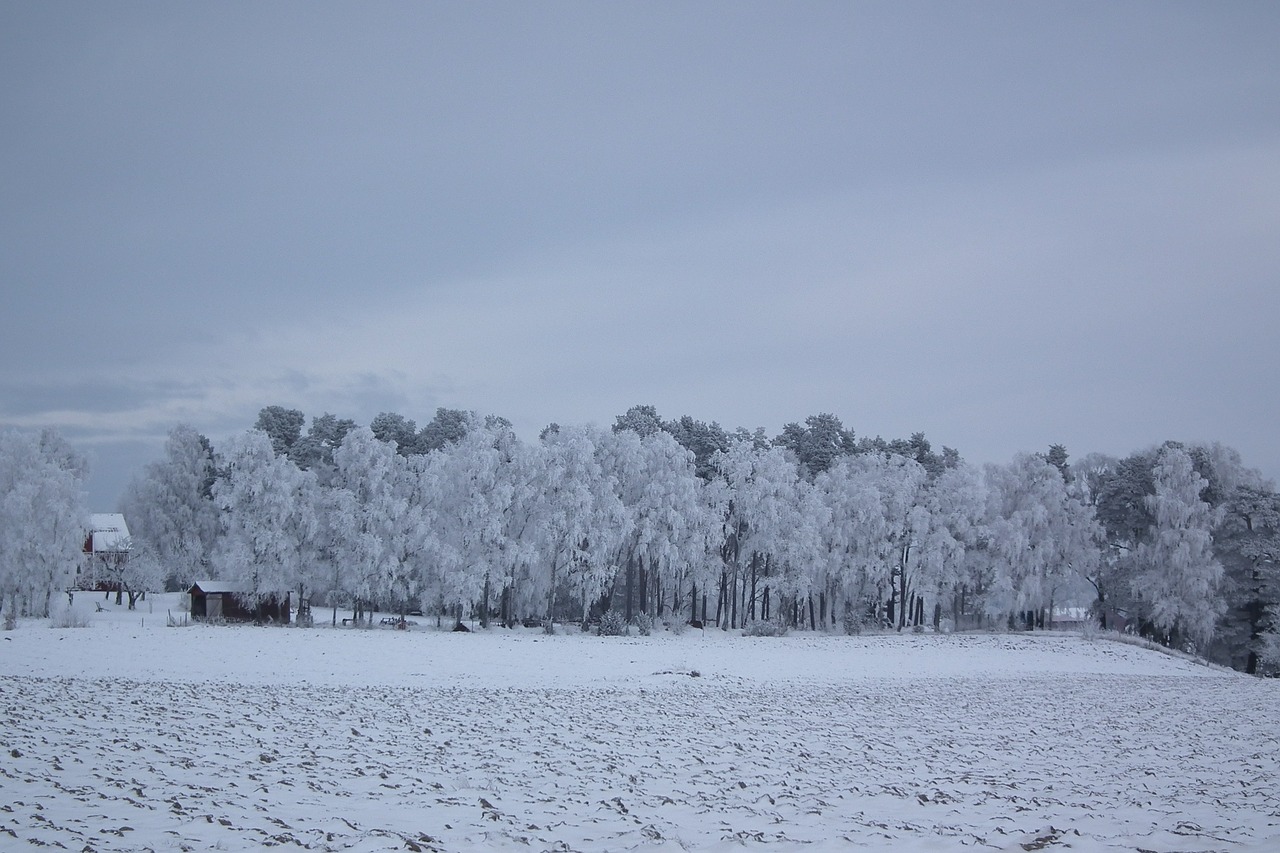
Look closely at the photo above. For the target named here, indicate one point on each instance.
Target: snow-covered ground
(130, 735)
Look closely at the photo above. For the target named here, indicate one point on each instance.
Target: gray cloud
(1005, 225)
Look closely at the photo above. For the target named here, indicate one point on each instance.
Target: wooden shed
(223, 600)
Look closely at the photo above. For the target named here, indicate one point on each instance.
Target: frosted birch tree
(475, 495)
(43, 521)
(581, 518)
(1178, 576)
(677, 527)
(1043, 535)
(170, 507)
(365, 507)
(877, 522)
(269, 524)
(670, 526)
(956, 503)
(763, 530)
(853, 566)
(518, 574)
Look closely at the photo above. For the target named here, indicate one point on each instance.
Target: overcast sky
(1003, 224)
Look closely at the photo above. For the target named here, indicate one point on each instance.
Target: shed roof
(216, 587)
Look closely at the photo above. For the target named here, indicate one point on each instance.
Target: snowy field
(129, 735)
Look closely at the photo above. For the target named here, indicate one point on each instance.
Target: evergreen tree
(315, 449)
(1248, 545)
(642, 420)
(449, 426)
(703, 440)
(396, 429)
(818, 444)
(283, 426)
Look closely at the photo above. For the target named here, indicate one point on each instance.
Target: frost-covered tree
(1178, 577)
(956, 504)
(900, 483)
(446, 428)
(411, 503)
(818, 444)
(769, 541)
(671, 527)
(135, 569)
(523, 583)
(283, 426)
(269, 524)
(703, 440)
(877, 523)
(642, 420)
(42, 519)
(582, 519)
(1247, 543)
(397, 430)
(474, 494)
(1042, 537)
(315, 449)
(364, 511)
(170, 507)
(677, 527)
(851, 568)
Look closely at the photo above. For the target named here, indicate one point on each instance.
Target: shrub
(549, 627)
(677, 626)
(644, 624)
(70, 618)
(765, 628)
(65, 614)
(612, 624)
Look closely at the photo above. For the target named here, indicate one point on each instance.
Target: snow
(108, 531)
(130, 735)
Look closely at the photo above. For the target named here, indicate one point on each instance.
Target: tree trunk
(724, 581)
(631, 572)
(733, 600)
(644, 586)
(551, 594)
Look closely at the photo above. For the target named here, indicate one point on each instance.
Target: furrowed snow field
(129, 735)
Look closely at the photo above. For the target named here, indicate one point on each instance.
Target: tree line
(683, 521)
